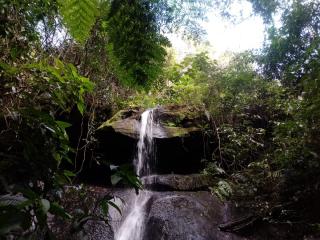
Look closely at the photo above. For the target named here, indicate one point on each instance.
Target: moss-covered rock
(178, 138)
(125, 122)
(171, 121)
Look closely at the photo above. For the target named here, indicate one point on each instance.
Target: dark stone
(197, 216)
(185, 216)
(173, 182)
(115, 148)
(94, 230)
(174, 215)
(180, 155)
(77, 200)
(90, 167)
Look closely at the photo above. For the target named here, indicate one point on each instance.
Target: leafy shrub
(35, 143)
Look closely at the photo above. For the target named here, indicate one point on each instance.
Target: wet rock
(173, 182)
(198, 215)
(171, 215)
(185, 216)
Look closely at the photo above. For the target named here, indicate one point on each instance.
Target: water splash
(133, 226)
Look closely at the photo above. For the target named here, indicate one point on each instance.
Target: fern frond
(79, 17)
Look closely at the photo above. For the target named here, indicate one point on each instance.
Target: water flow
(145, 156)
(132, 228)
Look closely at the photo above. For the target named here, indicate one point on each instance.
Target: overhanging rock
(178, 133)
(171, 121)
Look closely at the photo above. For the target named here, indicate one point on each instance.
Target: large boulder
(185, 215)
(179, 139)
(125, 122)
(199, 216)
(172, 121)
(168, 215)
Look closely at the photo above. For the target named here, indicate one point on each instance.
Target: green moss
(179, 131)
(177, 120)
(109, 123)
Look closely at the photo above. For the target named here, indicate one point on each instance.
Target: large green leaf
(58, 210)
(79, 17)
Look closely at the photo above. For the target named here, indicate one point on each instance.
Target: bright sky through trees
(223, 35)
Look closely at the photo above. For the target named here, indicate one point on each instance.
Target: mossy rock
(172, 121)
(125, 122)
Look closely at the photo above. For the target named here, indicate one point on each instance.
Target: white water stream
(132, 227)
(145, 156)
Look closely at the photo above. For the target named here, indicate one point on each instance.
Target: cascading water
(144, 160)
(132, 228)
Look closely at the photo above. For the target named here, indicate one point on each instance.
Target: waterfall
(145, 156)
(132, 228)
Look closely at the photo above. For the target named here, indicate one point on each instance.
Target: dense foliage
(61, 68)
(264, 111)
(67, 65)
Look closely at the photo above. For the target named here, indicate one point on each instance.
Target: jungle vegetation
(86, 59)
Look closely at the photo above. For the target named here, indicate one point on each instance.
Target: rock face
(125, 122)
(94, 230)
(174, 182)
(178, 135)
(173, 121)
(181, 216)
(197, 215)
